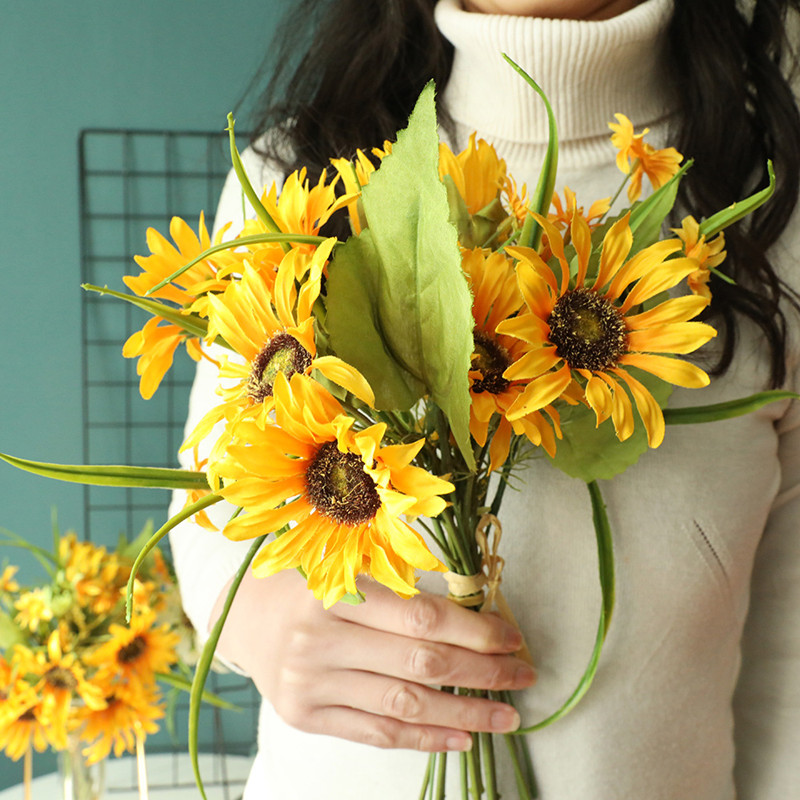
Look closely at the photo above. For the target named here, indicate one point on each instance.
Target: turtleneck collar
(589, 71)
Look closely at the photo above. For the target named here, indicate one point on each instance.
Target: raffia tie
(468, 590)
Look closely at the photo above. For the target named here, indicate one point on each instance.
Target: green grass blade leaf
(108, 475)
(732, 408)
(605, 556)
(204, 664)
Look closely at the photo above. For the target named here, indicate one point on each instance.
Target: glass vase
(79, 780)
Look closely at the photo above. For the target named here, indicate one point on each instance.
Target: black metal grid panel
(129, 181)
(132, 180)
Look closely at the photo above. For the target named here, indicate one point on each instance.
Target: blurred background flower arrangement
(74, 676)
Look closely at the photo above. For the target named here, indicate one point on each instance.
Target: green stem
(463, 767)
(605, 556)
(426, 780)
(204, 664)
(487, 750)
(185, 513)
(441, 776)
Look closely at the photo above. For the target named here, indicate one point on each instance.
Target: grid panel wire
(131, 180)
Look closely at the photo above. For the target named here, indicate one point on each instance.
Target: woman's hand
(363, 672)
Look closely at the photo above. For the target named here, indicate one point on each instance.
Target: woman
(706, 529)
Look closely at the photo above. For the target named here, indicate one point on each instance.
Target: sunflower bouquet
(378, 392)
(75, 676)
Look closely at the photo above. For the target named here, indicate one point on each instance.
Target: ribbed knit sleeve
(767, 702)
(206, 561)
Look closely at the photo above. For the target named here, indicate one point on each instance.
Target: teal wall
(171, 64)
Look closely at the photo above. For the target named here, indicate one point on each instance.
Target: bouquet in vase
(76, 676)
(377, 393)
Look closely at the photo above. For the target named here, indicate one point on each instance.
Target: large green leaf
(410, 265)
(594, 453)
(356, 330)
(142, 477)
(647, 217)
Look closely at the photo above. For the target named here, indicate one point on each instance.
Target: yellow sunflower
(135, 653)
(563, 213)
(355, 176)
(707, 254)
(22, 726)
(478, 173)
(7, 582)
(93, 573)
(496, 297)
(156, 343)
(587, 335)
(637, 158)
(60, 682)
(130, 712)
(273, 332)
(33, 608)
(341, 490)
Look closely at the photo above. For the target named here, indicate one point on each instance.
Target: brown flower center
(60, 678)
(338, 487)
(587, 330)
(131, 651)
(283, 353)
(491, 360)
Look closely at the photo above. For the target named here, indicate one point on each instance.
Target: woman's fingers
(353, 646)
(418, 705)
(431, 618)
(386, 732)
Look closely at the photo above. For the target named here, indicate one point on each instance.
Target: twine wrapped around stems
(468, 590)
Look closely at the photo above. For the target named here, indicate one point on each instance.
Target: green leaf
(104, 475)
(185, 513)
(605, 567)
(231, 244)
(543, 195)
(49, 561)
(421, 302)
(10, 633)
(592, 453)
(247, 187)
(733, 213)
(193, 324)
(727, 410)
(647, 217)
(356, 330)
(184, 684)
(204, 664)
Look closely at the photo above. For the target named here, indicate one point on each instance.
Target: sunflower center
(588, 332)
(338, 486)
(60, 678)
(491, 360)
(283, 353)
(131, 651)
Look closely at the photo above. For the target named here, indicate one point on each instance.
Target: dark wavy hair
(348, 73)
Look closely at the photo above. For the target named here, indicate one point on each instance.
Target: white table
(170, 777)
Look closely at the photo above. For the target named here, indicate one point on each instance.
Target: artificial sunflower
(344, 492)
(707, 254)
(33, 608)
(7, 582)
(355, 176)
(156, 343)
(478, 173)
(496, 297)
(273, 331)
(563, 213)
(587, 334)
(22, 725)
(135, 653)
(130, 713)
(60, 681)
(637, 158)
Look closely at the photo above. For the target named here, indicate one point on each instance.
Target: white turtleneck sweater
(697, 696)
